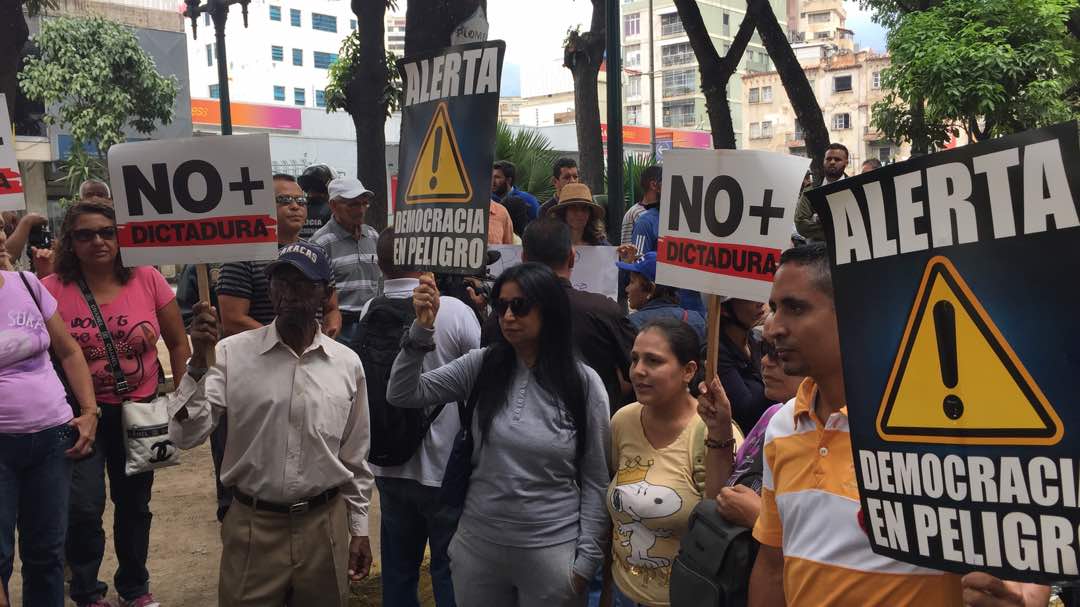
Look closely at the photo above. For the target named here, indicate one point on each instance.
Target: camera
(40, 237)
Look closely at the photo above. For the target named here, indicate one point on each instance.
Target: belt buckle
(299, 508)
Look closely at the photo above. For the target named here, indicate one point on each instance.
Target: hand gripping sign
(11, 188)
(200, 200)
(725, 217)
(955, 277)
(447, 140)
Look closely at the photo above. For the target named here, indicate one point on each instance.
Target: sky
(534, 32)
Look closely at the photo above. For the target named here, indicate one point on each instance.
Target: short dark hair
(508, 169)
(547, 241)
(814, 256)
(284, 177)
(384, 251)
(650, 174)
(874, 162)
(838, 146)
(562, 163)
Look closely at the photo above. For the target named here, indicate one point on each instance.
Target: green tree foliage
(344, 70)
(991, 67)
(97, 81)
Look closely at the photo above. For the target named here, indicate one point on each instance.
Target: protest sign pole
(713, 327)
(204, 295)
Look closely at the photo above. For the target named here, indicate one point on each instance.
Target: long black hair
(556, 367)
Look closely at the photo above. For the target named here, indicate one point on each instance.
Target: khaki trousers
(274, 560)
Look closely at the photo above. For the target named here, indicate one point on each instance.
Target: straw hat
(577, 194)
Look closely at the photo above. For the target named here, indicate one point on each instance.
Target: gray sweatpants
(487, 574)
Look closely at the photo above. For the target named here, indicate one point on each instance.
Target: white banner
(725, 217)
(11, 184)
(594, 268)
(199, 200)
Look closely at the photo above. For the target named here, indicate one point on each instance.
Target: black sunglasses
(87, 235)
(287, 200)
(768, 350)
(518, 305)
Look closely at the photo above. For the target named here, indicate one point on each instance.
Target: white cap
(346, 187)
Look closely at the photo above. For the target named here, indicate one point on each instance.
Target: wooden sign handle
(203, 275)
(713, 328)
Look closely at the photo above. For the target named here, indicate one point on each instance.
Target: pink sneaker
(146, 600)
(99, 603)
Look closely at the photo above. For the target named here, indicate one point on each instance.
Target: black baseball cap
(310, 259)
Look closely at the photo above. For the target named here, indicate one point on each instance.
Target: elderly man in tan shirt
(296, 457)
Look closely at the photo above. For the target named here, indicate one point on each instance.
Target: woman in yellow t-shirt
(669, 452)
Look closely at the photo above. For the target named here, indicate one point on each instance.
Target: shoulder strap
(121, 386)
(33, 295)
(697, 454)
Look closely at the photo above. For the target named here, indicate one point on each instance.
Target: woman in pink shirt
(137, 307)
(38, 435)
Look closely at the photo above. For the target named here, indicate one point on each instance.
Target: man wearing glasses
(351, 246)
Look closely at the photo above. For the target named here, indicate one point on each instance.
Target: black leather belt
(299, 507)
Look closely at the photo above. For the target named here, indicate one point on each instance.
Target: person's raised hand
(739, 504)
(359, 558)
(35, 219)
(205, 332)
(42, 261)
(984, 590)
(426, 301)
(715, 409)
(627, 253)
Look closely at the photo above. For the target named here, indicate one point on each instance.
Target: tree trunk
(715, 71)
(920, 138)
(582, 55)
(13, 35)
(366, 103)
(429, 23)
(795, 84)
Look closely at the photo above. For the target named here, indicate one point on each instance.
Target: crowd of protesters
(543, 444)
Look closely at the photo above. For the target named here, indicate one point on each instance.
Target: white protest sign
(11, 186)
(594, 268)
(199, 200)
(725, 217)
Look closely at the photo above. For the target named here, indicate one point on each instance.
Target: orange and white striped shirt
(809, 509)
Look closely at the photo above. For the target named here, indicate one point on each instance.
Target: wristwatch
(96, 412)
(716, 444)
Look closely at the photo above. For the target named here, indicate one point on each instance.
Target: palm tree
(533, 157)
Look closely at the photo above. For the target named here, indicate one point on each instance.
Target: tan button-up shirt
(298, 425)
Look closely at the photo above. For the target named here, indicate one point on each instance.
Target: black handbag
(455, 484)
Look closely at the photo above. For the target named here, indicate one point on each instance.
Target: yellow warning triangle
(439, 173)
(956, 380)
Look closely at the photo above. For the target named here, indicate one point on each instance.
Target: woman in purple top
(38, 437)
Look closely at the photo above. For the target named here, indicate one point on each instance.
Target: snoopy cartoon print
(641, 500)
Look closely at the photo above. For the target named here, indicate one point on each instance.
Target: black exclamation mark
(435, 158)
(945, 328)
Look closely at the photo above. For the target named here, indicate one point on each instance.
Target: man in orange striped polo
(813, 551)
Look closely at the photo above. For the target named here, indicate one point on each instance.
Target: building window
(671, 25)
(681, 82)
(297, 56)
(631, 24)
(294, 17)
(298, 97)
(277, 53)
(822, 17)
(209, 54)
(323, 60)
(320, 98)
(823, 35)
(352, 25)
(755, 130)
(324, 23)
(279, 93)
(215, 91)
(755, 95)
(875, 80)
(676, 54)
(275, 13)
(633, 115)
(841, 121)
(841, 83)
(679, 113)
(727, 24)
(884, 154)
(632, 55)
(766, 130)
(633, 86)
(766, 94)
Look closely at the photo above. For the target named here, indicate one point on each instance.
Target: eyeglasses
(768, 350)
(284, 201)
(355, 203)
(87, 235)
(518, 305)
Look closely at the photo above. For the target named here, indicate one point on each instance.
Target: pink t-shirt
(133, 323)
(31, 395)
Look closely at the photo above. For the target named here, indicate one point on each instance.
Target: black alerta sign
(954, 277)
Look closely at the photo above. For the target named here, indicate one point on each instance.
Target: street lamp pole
(219, 12)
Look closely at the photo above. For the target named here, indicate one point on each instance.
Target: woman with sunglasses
(669, 451)
(533, 522)
(38, 435)
(137, 306)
